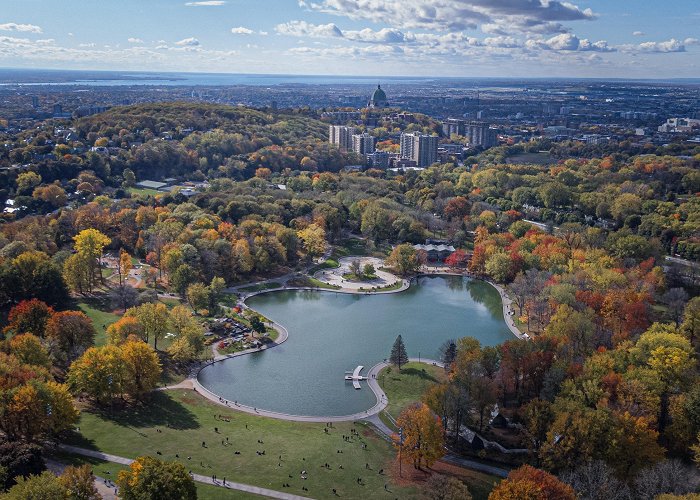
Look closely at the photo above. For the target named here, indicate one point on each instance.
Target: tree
(368, 270)
(19, 459)
(45, 486)
(53, 195)
(198, 296)
(404, 259)
(458, 258)
(216, 289)
(596, 480)
(398, 354)
(80, 483)
(148, 477)
(257, 324)
(124, 327)
(123, 266)
(529, 483)
(89, 245)
(69, 334)
(141, 368)
(29, 316)
(313, 238)
(99, 373)
(675, 300)
(154, 319)
(440, 487)
(421, 435)
(29, 350)
(355, 268)
(448, 353)
(26, 181)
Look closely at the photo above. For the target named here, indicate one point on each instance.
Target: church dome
(378, 95)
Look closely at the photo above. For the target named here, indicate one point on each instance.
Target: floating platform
(355, 377)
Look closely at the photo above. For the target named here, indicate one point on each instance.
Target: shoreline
(381, 401)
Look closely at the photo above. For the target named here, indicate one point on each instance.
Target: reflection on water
(330, 333)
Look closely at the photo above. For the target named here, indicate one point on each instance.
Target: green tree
(398, 354)
(154, 319)
(150, 478)
(45, 486)
(198, 296)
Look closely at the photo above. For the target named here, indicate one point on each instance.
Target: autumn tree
(404, 260)
(313, 238)
(89, 245)
(441, 487)
(529, 483)
(142, 368)
(124, 265)
(198, 296)
(79, 482)
(29, 350)
(29, 316)
(123, 328)
(420, 435)
(45, 486)
(154, 319)
(148, 477)
(69, 334)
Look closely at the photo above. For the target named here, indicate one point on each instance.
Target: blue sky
(510, 38)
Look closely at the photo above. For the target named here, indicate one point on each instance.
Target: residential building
(378, 159)
(420, 148)
(480, 134)
(363, 144)
(453, 126)
(341, 136)
(680, 125)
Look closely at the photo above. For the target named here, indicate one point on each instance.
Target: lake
(330, 333)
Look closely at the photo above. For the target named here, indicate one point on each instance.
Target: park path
(197, 477)
(106, 491)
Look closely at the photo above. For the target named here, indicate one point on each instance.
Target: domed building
(378, 99)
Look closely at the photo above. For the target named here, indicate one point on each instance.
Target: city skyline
(459, 38)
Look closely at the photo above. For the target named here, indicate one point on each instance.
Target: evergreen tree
(448, 353)
(398, 355)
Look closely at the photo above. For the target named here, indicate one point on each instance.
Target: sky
(463, 38)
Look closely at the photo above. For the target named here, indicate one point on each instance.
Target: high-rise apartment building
(341, 136)
(453, 126)
(480, 134)
(420, 148)
(363, 144)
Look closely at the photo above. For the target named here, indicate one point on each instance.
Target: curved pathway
(248, 488)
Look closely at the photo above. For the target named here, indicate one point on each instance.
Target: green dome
(378, 95)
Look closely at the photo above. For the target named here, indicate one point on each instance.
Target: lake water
(330, 333)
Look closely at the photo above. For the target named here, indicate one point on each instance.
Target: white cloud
(207, 3)
(188, 42)
(241, 31)
(385, 35)
(638, 33)
(134, 40)
(302, 28)
(27, 28)
(568, 42)
(508, 16)
(664, 47)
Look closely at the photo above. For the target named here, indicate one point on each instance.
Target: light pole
(400, 448)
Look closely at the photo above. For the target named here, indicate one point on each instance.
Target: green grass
(329, 263)
(403, 389)
(259, 287)
(307, 281)
(144, 191)
(99, 317)
(186, 419)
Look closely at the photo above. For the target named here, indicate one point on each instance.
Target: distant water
(104, 79)
(31, 77)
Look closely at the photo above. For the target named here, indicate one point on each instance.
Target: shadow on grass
(415, 372)
(159, 410)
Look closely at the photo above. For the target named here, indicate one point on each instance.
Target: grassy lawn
(185, 420)
(307, 281)
(144, 191)
(99, 317)
(407, 387)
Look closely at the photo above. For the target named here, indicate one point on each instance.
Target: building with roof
(420, 148)
(378, 99)
(363, 144)
(436, 252)
(341, 136)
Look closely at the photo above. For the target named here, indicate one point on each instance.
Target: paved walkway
(107, 492)
(197, 477)
(335, 276)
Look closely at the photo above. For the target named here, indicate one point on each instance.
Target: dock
(355, 377)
